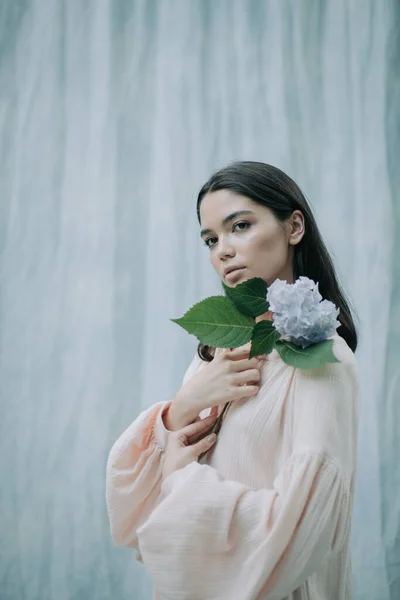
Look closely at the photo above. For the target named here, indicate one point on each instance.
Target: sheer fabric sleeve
(133, 472)
(209, 537)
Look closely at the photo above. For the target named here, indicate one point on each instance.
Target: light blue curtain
(112, 114)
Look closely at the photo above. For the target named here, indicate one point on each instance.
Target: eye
(206, 242)
(243, 225)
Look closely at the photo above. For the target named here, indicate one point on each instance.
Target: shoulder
(347, 367)
(332, 375)
(338, 379)
(325, 407)
(343, 353)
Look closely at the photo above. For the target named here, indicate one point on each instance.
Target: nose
(225, 249)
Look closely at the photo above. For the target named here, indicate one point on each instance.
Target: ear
(296, 227)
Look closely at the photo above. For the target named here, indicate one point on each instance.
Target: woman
(266, 513)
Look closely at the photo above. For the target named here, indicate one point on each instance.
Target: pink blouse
(267, 513)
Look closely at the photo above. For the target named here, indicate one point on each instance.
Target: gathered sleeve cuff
(133, 476)
(134, 469)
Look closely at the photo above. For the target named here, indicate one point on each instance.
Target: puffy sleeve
(133, 473)
(209, 537)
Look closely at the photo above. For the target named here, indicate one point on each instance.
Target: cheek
(213, 259)
(274, 241)
(270, 250)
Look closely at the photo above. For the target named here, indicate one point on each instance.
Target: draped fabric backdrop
(112, 115)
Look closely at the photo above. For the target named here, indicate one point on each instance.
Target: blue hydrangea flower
(300, 315)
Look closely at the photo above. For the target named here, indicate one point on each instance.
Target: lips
(229, 270)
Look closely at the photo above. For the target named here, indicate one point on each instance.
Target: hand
(186, 445)
(230, 376)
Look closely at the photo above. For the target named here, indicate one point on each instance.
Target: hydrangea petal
(300, 314)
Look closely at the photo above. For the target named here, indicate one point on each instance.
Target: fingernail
(211, 438)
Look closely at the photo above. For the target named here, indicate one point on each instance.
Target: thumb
(203, 445)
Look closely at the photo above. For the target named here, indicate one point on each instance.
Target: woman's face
(246, 236)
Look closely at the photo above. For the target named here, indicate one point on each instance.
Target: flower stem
(217, 425)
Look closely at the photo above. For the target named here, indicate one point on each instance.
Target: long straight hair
(271, 187)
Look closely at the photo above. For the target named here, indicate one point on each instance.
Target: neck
(267, 316)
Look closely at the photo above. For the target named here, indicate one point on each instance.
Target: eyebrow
(229, 218)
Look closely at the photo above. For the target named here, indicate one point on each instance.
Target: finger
(196, 428)
(245, 363)
(237, 353)
(244, 392)
(193, 439)
(202, 446)
(248, 376)
(241, 352)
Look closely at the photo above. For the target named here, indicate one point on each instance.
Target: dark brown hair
(271, 187)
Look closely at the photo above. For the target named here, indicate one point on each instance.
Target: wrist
(177, 415)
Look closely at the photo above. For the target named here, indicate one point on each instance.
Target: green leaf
(250, 297)
(215, 321)
(264, 338)
(306, 358)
